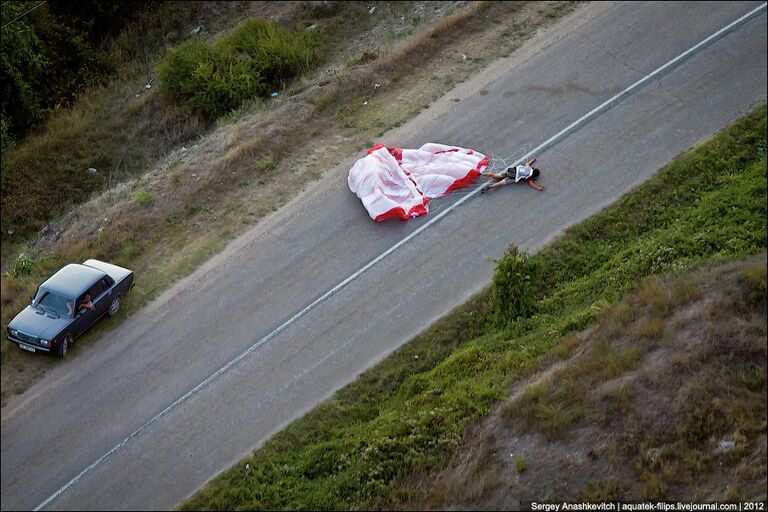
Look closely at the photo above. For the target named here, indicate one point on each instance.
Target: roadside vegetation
(158, 183)
(52, 51)
(663, 398)
(78, 123)
(381, 441)
(256, 58)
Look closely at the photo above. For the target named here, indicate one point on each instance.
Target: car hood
(45, 325)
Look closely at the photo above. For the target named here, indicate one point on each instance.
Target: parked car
(68, 303)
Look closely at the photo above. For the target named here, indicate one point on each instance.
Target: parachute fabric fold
(398, 183)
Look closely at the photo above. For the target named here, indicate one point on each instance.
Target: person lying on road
(516, 174)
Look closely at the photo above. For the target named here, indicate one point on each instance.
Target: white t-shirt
(522, 172)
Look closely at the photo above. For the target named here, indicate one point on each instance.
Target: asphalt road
(67, 421)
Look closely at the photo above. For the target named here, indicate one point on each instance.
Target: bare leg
(489, 186)
(498, 184)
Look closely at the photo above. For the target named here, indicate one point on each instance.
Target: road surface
(55, 435)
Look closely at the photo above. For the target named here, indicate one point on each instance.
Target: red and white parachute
(398, 183)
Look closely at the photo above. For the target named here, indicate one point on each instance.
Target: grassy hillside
(410, 415)
(664, 397)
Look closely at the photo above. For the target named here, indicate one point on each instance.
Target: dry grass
(613, 321)
(649, 327)
(685, 292)
(408, 55)
(607, 489)
(652, 293)
(474, 476)
(11, 289)
(567, 346)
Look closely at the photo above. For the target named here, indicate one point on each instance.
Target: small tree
(514, 288)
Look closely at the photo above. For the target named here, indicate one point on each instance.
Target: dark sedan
(68, 303)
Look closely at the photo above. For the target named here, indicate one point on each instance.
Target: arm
(535, 185)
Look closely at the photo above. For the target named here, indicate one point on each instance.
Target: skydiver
(516, 174)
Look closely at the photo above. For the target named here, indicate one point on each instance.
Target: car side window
(97, 289)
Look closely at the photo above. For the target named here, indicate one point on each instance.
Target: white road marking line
(392, 249)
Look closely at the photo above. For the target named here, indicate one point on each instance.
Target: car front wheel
(114, 307)
(64, 345)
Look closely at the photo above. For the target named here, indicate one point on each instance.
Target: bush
(515, 284)
(266, 164)
(177, 70)
(201, 78)
(254, 59)
(22, 266)
(142, 197)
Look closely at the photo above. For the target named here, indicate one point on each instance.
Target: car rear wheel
(114, 307)
(64, 345)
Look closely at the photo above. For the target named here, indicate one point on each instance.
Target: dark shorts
(508, 177)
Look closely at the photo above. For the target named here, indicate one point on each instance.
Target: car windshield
(53, 302)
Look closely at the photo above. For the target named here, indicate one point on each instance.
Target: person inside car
(86, 303)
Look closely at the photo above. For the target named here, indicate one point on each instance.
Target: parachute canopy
(397, 183)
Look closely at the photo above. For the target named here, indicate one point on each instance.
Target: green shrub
(267, 163)
(142, 197)
(252, 60)
(278, 53)
(177, 70)
(22, 266)
(202, 78)
(515, 284)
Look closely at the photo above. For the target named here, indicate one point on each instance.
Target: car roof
(72, 280)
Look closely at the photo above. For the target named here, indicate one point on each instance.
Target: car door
(83, 317)
(87, 316)
(102, 296)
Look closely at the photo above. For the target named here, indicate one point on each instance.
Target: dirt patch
(684, 419)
